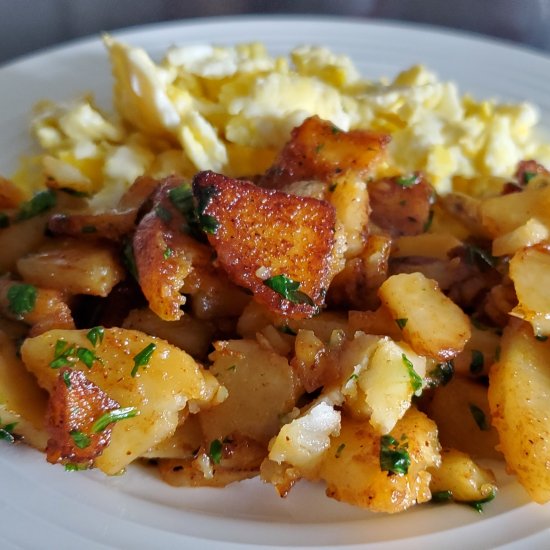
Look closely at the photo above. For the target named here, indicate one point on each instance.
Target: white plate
(40, 503)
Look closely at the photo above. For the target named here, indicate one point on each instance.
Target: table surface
(29, 25)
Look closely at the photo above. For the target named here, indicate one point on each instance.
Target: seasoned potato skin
(273, 231)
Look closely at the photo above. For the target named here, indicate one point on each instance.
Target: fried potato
(72, 266)
(158, 383)
(21, 399)
(419, 307)
(532, 232)
(260, 235)
(20, 239)
(519, 386)
(351, 467)
(319, 150)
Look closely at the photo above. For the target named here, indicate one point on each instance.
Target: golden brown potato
(278, 246)
(532, 232)
(430, 322)
(354, 467)
(519, 385)
(10, 195)
(72, 266)
(134, 369)
(319, 150)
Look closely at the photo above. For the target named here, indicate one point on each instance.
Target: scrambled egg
(230, 109)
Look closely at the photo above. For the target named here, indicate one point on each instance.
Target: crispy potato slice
(319, 150)
(519, 390)
(430, 322)
(21, 399)
(260, 234)
(41, 308)
(159, 389)
(398, 208)
(75, 405)
(10, 195)
(352, 470)
(73, 266)
(530, 272)
(530, 233)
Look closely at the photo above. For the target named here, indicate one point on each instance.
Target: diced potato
(21, 399)
(260, 234)
(183, 443)
(430, 322)
(503, 214)
(352, 470)
(466, 480)
(530, 272)
(262, 386)
(461, 411)
(519, 398)
(530, 233)
(378, 322)
(73, 266)
(479, 353)
(427, 245)
(159, 389)
(20, 239)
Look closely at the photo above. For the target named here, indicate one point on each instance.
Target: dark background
(28, 25)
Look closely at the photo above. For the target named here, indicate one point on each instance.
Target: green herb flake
(21, 298)
(441, 374)
(168, 252)
(353, 377)
(285, 329)
(442, 496)
(497, 353)
(164, 214)
(86, 356)
(541, 337)
(335, 129)
(476, 254)
(477, 363)
(401, 323)
(42, 201)
(394, 458)
(209, 224)
(429, 221)
(72, 467)
(406, 181)
(63, 354)
(288, 289)
(89, 229)
(478, 504)
(332, 187)
(339, 450)
(528, 176)
(110, 417)
(4, 220)
(182, 198)
(95, 335)
(129, 260)
(81, 440)
(479, 417)
(143, 357)
(416, 379)
(6, 432)
(66, 376)
(318, 148)
(215, 452)
(232, 368)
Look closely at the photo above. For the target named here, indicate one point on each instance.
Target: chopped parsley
(442, 496)
(497, 353)
(95, 335)
(335, 129)
(72, 467)
(81, 440)
(541, 337)
(288, 289)
(528, 176)
(478, 504)
(87, 356)
(66, 354)
(401, 323)
(441, 374)
(168, 252)
(113, 416)
(353, 377)
(429, 221)
(479, 417)
(406, 181)
(475, 253)
(6, 432)
(339, 450)
(4, 220)
(42, 201)
(21, 298)
(416, 379)
(164, 214)
(394, 457)
(182, 198)
(129, 260)
(232, 367)
(318, 148)
(476, 365)
(285, 329)
(66, 376)
(215, 452)
(143, 357)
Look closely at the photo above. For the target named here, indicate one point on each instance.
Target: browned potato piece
(379, 322)
(43, 309)
(401, 209)
(319, 150)
(262, 386)
(75, 405)
(260, 235)
(430, 322)
(10, 195)
(519, 386)
(73, 266)
(352, 465)
(461, 411)
(20, 239)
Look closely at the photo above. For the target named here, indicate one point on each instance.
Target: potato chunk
(519, 398)
(352, 465)
(73, 266)
(159, 388)
(262, 236)
(430, 322)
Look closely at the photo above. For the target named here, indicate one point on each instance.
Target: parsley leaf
(21, 298)
(479, 417)
(416, 379)
(42, 201)
(113, 416)
(476, 366)
(288, 289)
(66, 375)
(4, 220)
(86, 356)
(6, 432)
(339, 450)
(401, 323)
(129, 260)
(143, 358)
(441, 374)
(80, 439)
(95, 335)
(406, 181)
(215, 452)
(394, 458)
(442, 496)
